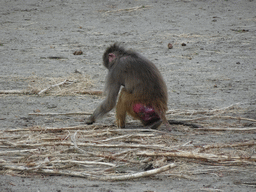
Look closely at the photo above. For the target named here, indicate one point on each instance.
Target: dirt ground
(211, 66)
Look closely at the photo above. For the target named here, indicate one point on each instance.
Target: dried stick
(52, 129)
(135, 130)
(89, 176)
(35, 145)
(238, 118)
(216, 116)
(14, 92)
(211, 190)
(227, 129)
(124, 152)
(52, 86)
(81, 127)
(127, 136)
(90, 92)
(240, 144)
(129, 9)
(73, 139)
(194, 112)
(55, 114)
(192, 125)
(17, 152)
(47, 171)
(193, 155)
(137, 175)
(84, 162)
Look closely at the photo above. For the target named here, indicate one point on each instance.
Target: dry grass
(75, 83)
(132, 9)
(108, 153)
(71, 85)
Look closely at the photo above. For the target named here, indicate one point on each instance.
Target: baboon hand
(90, 120)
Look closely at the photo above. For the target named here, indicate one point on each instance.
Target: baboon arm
(107, 105)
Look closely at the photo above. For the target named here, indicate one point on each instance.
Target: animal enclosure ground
(210, 74)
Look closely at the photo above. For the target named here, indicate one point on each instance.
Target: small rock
(170, 46)
(76, 71)
(78, 52)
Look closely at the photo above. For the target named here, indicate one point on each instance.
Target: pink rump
(146, 113)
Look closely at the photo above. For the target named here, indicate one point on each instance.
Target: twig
(35, 145)
(73, 140)
(238, 118)
(124, 152)
(50, 129)
(211, 190)
(135, 130)
(129, 9)
(14, 92)
(90, 92)
(217, 116)
(52, 86)
(84, 162)
(127, 136)
(17, 152)
(180, 176)
(250, 143)
(193, 155)
(47, 171)
(138, 175)
(55, 114)
(194, 112)
(88, 175)
(227, 129)
(192, 125)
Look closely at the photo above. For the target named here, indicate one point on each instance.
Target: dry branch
(55, 114)
(84, 150)
(227, 129)
(194, 155)
(121, 131)
(138, 175)
(14, 92)
(216, 117)
(52, 86)
(90, 92)
(127, 136)
(47, 171)
(84, 162)
(240, 144)
(90, 176)
(237, 118)
(35, 145)
(17, 152)
(129, 9)
(50, 129)
(195, 112)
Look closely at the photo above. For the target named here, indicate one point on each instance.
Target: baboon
(144, 92)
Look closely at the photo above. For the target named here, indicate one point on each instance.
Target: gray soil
(215, 69)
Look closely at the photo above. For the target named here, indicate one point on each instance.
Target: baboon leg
(121, 110)
(164, 120)
(156, 124)
(124, 106)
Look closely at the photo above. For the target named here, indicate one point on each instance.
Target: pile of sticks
(107, 153)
